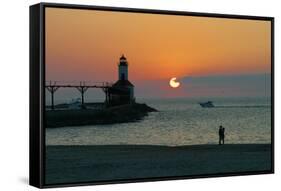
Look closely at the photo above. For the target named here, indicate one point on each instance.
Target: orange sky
(86, 45)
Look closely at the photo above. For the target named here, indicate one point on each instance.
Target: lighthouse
(122, 91)
(123, 68)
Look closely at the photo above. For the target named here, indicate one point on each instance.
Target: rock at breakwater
(112, 115)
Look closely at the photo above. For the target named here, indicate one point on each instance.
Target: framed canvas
(127, 95)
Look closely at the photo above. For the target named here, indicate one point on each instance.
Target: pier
(82, 87)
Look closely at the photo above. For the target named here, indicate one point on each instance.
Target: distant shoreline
(66, 164)
(80, 117)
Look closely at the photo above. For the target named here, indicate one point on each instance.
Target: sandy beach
(68, 164)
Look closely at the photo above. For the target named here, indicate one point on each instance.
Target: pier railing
(81, 86)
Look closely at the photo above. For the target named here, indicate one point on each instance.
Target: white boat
(75, 104)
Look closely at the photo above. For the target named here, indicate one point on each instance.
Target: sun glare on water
(174, 83)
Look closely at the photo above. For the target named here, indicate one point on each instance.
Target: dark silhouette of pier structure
(82, 87)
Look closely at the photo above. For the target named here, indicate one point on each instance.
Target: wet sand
(73, 164)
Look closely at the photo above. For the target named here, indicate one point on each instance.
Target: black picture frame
(37, 93)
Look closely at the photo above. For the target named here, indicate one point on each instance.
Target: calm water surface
(179, 122)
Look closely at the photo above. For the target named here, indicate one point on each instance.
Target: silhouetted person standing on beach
(221, 135)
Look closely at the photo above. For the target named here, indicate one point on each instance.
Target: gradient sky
(86, 45)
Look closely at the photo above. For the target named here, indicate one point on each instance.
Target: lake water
(179, 122)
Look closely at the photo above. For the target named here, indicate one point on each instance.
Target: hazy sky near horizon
(85, 45)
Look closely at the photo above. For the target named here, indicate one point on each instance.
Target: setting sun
(174, 83)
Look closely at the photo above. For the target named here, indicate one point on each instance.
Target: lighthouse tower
(122, 91)
(123, 68)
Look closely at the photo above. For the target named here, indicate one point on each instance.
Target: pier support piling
(82, 89)
(52, 88)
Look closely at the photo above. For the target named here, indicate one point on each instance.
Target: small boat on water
(75, 104)
(207, 104)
